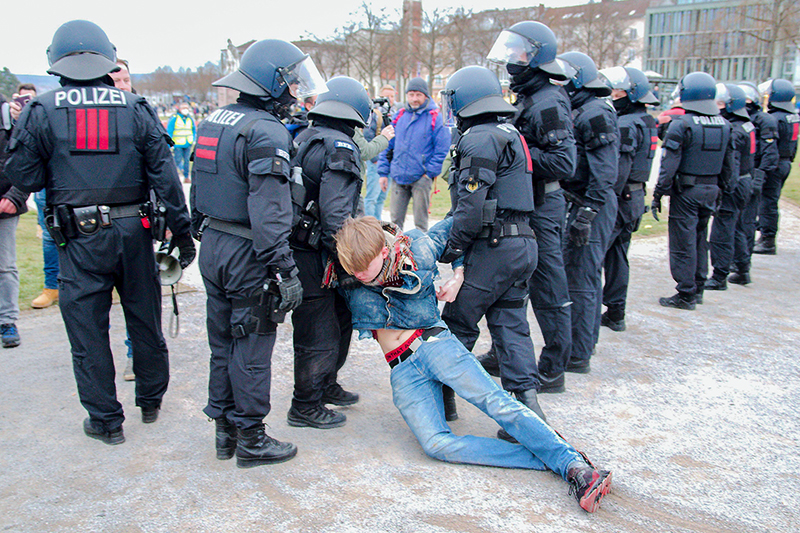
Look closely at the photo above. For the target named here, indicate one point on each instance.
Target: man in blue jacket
(415, 155)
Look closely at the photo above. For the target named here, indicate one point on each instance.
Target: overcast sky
(151, 33)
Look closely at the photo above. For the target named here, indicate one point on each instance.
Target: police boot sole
(765, 251)
(340, 402)
(740, 280)
(250, 462)
(306, 423)
(669, 302)
(613, 325)
(552, 385)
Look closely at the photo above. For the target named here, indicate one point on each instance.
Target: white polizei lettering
(74, 97)
(236, 118)
(60, 96)
(224, 117)
(86, 99)
(117, 97)
(213, 116)
(709, 121)
(102, 96)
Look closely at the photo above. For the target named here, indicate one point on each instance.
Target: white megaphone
(169, 267)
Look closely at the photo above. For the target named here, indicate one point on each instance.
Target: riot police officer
(593, 203)
(492, 204)
(97, 151)
(241, 205)
(528, 50)
(695, 168)
(780, 94)
(766, 161)
(732, 103)
(630, 93)
(331, 175)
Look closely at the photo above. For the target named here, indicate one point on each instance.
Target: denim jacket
(412, 305)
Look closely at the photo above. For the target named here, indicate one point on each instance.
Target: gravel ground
(695, 413)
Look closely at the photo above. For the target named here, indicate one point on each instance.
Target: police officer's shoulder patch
(344, 145)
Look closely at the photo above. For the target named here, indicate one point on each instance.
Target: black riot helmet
(268, 67)
(582, 73)
(473, 91)
(81, 51)
(345, 99)
(780, 93)
(734, 98)
(530, 44)
(631, 80)
(698, 93)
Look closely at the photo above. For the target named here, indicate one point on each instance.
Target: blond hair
(359, 242)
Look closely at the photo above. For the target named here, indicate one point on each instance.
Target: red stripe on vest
(80, 129)
(653, 142)
(103, 129)
(753, 142)
(206, 154)
(527, 153)
(91, 129)
(795, 131)
(207, 141)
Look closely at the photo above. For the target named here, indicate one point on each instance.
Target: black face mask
(753, 107)
(283, 104)
(621, 105)
(519, 73)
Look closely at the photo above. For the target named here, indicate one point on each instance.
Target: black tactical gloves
(655, 206)
(291, 290)
(451, 254)
(581, 227)
(185, 245)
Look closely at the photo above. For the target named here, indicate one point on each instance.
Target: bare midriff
(390, 339)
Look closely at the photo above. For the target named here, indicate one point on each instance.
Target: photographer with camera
(380, 128)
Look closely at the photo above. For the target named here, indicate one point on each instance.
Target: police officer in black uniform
(593, 203)
(241, 205)
(766, 161)
(630, 93)
(528, 49)
(492, 204)
(696, 167)
(331, 174)
(780, 93)
(732, 102)
(97, 151)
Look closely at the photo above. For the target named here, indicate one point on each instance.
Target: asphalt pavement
(694, 412)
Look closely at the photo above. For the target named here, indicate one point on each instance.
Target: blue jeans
(417, 390)
(374, 197)
(49, 246)
(181, 154)
(9, 276)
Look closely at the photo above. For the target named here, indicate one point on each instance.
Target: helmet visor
(448, 110)
(617, 77)
(303, 78)
(512, 48)
(570, 71)
(750, 92)
(723, 94)
(765, 88)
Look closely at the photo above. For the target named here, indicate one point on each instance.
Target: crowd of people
(545, 196)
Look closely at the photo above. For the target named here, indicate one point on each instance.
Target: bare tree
(365, 44)
(597, 31)
(431, 52)
(776, 24)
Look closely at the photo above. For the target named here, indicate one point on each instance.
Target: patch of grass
(791, 189)
(29, 260)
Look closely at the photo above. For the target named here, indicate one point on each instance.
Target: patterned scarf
(399, 259)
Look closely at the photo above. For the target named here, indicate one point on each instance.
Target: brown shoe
(46, 299)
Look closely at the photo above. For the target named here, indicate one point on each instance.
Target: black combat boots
(529, 400)
(678, 302)
(489, 362)
(740, 278)
(449, 398)
(716, 283)
(614, 318)
(226, 438)
(316, 416)
(254, 447)
(765, 245)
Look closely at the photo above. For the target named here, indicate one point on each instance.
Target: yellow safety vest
(182, 135)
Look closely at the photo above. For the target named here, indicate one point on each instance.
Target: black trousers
(496, 286)
(584, 265)
(548, 288)
(118, 257)
(322, 333)
(745, 234)
(721, 242)
(768, 208)
(617, 268)
(689, 212)
(240, 370)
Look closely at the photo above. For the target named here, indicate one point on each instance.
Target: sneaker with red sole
(589, 486)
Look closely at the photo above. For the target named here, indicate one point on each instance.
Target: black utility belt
(690, 180)
(231, 228)
(551, 186)
(634, 186)
(89, 219)
(516, 229)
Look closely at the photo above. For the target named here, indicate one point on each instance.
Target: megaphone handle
(174, 318)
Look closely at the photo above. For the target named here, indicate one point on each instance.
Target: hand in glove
(581, 227)
(185, 246)
(291, 290)
(655, 206)
(346, 281)
(450, 254)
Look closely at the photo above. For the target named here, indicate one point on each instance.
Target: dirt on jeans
(694, 412)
